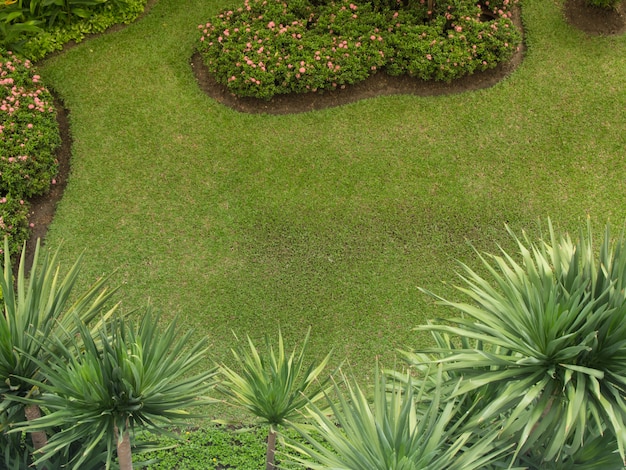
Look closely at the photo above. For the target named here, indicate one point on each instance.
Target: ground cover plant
(329, 218)
(210, 448)
(29, 137)
(270, 47)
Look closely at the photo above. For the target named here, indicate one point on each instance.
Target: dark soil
(596, 21)
(592, 21)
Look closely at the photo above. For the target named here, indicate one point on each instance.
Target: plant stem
(124, 453)
(39, 438)
(271, 449)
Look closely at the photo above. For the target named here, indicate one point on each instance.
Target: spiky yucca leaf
(547, 338)
(400, 430)
(273, 387)
(97, 388)
(34, 309)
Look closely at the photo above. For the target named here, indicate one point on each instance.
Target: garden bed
(378, 84)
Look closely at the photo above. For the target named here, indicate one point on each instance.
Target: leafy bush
(269, 47)
(453, 44)
(14, 221)
(49, 25)
(544, 340)
(211, 448)
(29, 137)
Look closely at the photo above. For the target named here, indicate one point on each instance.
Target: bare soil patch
(596, 21)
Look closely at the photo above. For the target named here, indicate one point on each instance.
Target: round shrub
(269, 47)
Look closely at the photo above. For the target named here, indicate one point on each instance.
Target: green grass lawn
(334, 218)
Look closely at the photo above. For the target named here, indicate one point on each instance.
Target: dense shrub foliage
(35, 27)
(269, 47)
(29, 136)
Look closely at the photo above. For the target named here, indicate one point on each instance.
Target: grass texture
(330, 219)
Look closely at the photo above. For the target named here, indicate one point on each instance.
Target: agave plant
(99, 389)
(545, 340)
(34, 310)
(401, 430)
(273, 388)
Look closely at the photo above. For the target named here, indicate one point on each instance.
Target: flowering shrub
(269, 47)
(29, 136)
(14, 221)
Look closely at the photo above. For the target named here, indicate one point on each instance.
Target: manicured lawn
(333, 219)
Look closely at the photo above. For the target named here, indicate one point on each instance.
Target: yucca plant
(545, 340)
(273, 387)
(400, 430)
(34, 309)
(99, 388)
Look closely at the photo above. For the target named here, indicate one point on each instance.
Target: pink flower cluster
(263, 43)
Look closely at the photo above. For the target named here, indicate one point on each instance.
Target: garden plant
(409, 426)
(270, 47)
(98, 389)
(272, 386)
(29, 137)
(36, 28)
(543, 339)
(79, 391)
(333, 217)
(36, 311)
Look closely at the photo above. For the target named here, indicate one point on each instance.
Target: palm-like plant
(34, 310)
(401, 430)
(545, 340)
(273, 388)
(100, 388)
